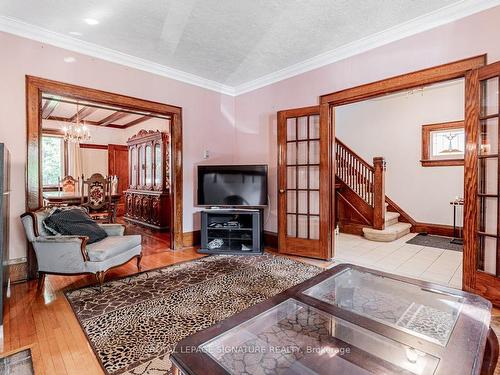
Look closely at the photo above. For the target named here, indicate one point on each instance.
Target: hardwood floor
(44, 321)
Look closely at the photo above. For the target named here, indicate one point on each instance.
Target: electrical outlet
(206, 154)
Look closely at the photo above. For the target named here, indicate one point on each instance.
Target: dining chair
(69, 184)
(97, 198)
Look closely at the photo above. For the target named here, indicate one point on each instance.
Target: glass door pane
(149, 166)
(141, 165)
(303, 202)
(158, 163)
(302, 177)
(488, 253)
(133, 167)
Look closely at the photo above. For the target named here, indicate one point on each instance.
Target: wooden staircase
(361, 204)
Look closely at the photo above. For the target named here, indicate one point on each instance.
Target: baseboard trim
(190, 239)
(435, 229)
(352, 228)
(271, 239)
(17, 269)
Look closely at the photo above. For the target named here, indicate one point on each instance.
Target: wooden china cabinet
(147, 199)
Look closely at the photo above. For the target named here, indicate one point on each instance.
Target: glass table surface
(421, 312)
(295, 338)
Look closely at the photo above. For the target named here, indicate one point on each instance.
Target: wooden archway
(35, 86)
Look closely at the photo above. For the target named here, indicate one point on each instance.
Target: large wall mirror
(75, 132)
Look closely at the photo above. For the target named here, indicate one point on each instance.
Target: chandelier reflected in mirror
(77, 131)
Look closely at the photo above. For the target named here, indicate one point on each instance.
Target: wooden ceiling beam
(48, 108)
(87, 122)
(137, 121)
(112, 117)
(82, 113)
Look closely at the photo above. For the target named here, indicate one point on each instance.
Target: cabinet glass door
(133, 167)
(141, 165)
(149, 166)
(158, 163)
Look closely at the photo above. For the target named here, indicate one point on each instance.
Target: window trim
(427, 129)
(57, 133)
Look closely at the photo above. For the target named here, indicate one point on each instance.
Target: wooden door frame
(35, 86)
(325, 236)
(474, 280)
(466, 68)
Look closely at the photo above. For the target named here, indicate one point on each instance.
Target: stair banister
(379, 166)
(367, 181)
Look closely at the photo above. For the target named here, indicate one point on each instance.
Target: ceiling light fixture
(76, 132)
(91, 21)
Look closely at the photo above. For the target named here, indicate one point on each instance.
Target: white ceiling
(230, 42)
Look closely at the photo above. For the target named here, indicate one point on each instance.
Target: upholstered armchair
(71, 255)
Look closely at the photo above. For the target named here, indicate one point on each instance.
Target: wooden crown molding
(437, 18)
(40, 34)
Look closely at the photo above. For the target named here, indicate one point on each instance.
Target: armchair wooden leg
(139, 258)
(100, 279)
(41, 281)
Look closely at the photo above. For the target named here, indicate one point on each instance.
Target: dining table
(70, 198)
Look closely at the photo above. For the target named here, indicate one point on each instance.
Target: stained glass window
(447, 144)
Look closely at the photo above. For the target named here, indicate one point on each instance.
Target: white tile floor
(398, 257)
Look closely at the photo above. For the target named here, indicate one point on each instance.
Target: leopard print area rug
(136, 322)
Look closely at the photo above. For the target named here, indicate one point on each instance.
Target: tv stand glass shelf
(231, 231)
(343, 321)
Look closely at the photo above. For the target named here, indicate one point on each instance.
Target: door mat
(439, 242)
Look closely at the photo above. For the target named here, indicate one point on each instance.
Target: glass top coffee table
(424, 312)
(347, 320)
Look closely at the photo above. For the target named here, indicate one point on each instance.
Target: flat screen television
(232, 185)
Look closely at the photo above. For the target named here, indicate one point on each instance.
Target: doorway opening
(418, 137)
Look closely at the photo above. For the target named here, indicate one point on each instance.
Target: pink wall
(256, 111)
(241, 129)
(208, 117)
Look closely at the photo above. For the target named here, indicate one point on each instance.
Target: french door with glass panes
(303, 183)
(482, 171)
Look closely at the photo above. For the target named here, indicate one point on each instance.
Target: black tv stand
(231, 231)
